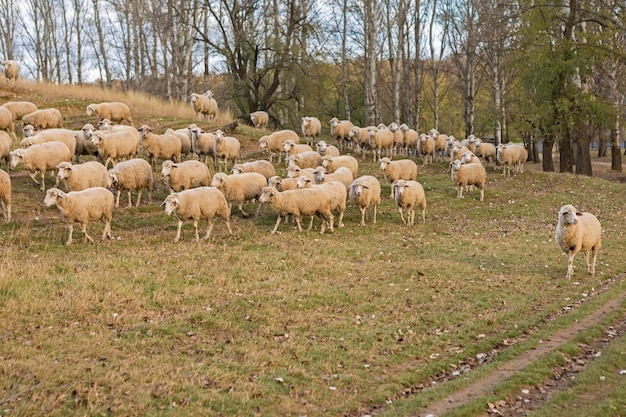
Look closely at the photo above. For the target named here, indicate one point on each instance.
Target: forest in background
(544, 72)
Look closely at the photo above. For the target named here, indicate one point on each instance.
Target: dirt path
(483, 386)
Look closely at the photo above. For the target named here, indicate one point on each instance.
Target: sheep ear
(365, 186)
(163, 203)
(578, 213)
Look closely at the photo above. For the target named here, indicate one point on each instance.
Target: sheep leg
(310, 224)
(570, 263)
(411, 217)
(241, 210)
(43, 181)
(363, 214)
(106, 233)
(340, 221)
(297, 217)
(276, 225)
(209, 229)
(594, 252)
(130, 202)
(460, 193)
(195, 228)
(482, 194)
(375, 207)
(138, 198)
(423, 216)
(330, 219)
(117, 198)
(69, 238)
(401, 216)
(32, 176)
(180, 225)
(83, 228)
(230, 231)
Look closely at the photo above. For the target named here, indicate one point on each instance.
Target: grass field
(290, 324)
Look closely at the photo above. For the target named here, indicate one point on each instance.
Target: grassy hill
(367, 320)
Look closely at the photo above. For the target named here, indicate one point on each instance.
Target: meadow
(378, 319)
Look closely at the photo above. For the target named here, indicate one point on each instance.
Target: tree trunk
(101, 43)
(344, 61)
(616, 154)
(583, 156)
(547, 161)
(417, 70)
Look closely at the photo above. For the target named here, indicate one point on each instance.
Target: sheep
(11, 70)
(441, 141)
(114, 111)
(522, 156)
(185, 140)
(364, 192)
(195, 204)
(325, 149)
(204, 105)
(402, 169)
(341, 174)
(19, 108)
(41, 158)
(508, 156)
(408, 195)
(274, 142)
(426, 147)
(469, 174)
(51, 135)
(77, 177)
(339, 130)
(469, 158)
(132, 175)
(306, 159)
(5, 195)
(294, 171)
(225, 148)
(43, 119)
(291, 148)
(81, 207)
(379, 140)
(338, 192)
(283, 184)
(260, 119)
(331, 163)
(398, 139)
(6, 122)
(263, 167)
(410, 138)
(83, 143)
(298, 203)
(240, 188)
(360, 136)
(485, 151)
(311, 129)
(185, 175)
(107, 125)
(155, 146)
(575, 232)
(5, 147)
(115, 146)
(202, 143)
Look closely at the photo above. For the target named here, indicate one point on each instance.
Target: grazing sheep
(399, 147)
(115, 146)
(5, 195)
(19, 109)
(77, 177)
(260, 119)
(339, 130)
(283, 184)
(185, 140)
(364, 192)
(43, 119)
(41, 158)
(306, 159)
(225, 148)
(485, 151)
(155, 146)
(132, 175)
(311, 129)
(402, 169)
(298, 203)
(83, 143)
(294, 171)
(114, 111)
(379, 140)
(408, 195)
(82, 207)
(240, 188)
(441, 141)
(426, 147)
(52, 135)
(263, 167)
(325, 149)
(507, 156)
(6, 122)
(341, 174)
(466, 175)
(410, 139)
(107, 126)
(291, 148)
(360, 138)
(331, 163)
(204, 105)
(5, 147)
(576, 232)
(274, 142)
(337, 191)
(11, 70)
(185, 175)
(202, 143)
(196, 204)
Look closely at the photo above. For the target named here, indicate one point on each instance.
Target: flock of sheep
(320, 182)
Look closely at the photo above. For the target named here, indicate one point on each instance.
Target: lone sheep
(259, 119)
(11, 70)
(204, 105)
(576, 232)
(114, 111)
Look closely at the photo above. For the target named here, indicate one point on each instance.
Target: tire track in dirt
(483, 386)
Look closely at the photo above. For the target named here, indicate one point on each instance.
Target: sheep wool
(132, 175)
(298, 203)
(578, 232)
(77, 177)
(41, 158)
(260, 119)
(409, 195)
(5, 195)
(185, 175)
(364, 192)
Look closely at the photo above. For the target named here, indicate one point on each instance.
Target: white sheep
(155, 146)
(114, 111)
(409, 195)
(298, 203)
(6, 122)
(185, 175)
(260, 119)
(273, 143)
(441, 142)
(77, 177)
(399, 147)
(83, 143)
(410, 139)
(65, 136)
(202, 143)
(283, 184)
(337, 191)
(43, 119)
(291, 148)
(240, 188)
(380, 139)
(184, 135)
(262, 166)
(132, 175)
(306, 159)
(339, 130)
(325, 149)
(402, 169)
(576, 232)
(311, 129)
(204, 106)
(485, 151)
(470, 158)
(294, 171)
(360, 138)
(5, 195)
(116, 146)
(508, 157)
(81, 207)
(466, 175)
(332, 163)
(5, 148)
(364, 192)
(19, 109)
(426, 147)
(41, 158)
(225, 148)
(11, 70)
(197, 204)
(341, 174)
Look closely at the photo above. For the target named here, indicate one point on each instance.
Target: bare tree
(8, 20)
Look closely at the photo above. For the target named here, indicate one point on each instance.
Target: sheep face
(166, 168)
(398, 187)
(384, 163)
(87, 130)
(28, 130)
(17, 156)
(321, 145)
(293, 171)
(303, 182)
(171, 203)
(111, 178)
(267, 194)
(53, 195)
(218, 180)
(318, 175)
(96, 138)
(90, 109)
(64, 170)
(357, 188)
(275, 182)
(567, 214)
(144, 130)
(104, 124)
